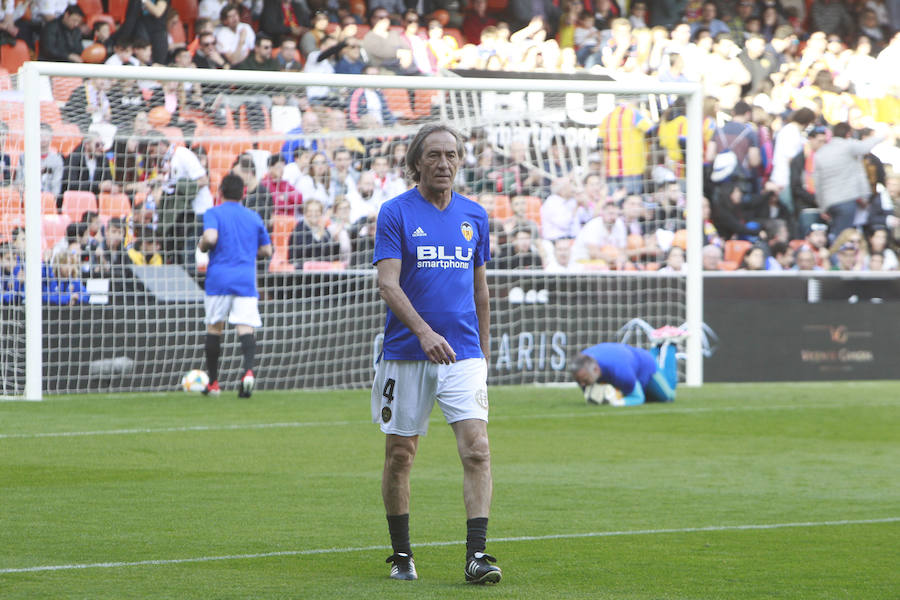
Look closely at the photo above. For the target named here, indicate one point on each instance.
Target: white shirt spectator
(313, 65)
(117, 62)
(311, 190)
(596, 233)
(184, 164)
(559, 217)
(788, 142)
(50, 9)
(227, 40)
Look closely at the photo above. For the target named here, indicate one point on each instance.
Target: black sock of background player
(248, 349)
(476, 535)
(398, 526)
(213, 349)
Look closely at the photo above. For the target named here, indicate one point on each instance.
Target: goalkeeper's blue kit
(636, 372)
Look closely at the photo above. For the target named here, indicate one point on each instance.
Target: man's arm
(210, 238)
(436, 348)
(264, 251)
(483, 311)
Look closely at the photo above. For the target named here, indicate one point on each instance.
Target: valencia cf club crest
(386, 414)
(467, 230)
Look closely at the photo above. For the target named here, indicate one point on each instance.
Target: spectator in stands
(731, 216)
(312, 39)
(624, 147)
(52, 166)
(145, 248)
(674, 262)
(12, 275)
(381, 44)
(211, 10)
(739, 136)
(482, 176)
(311, 240)
(256, 196)
(879, 243)
(476, 20)
(343, 175)
(351, 61)
(288, 58)
(422, 59)
(385, 181)
(712, 257)
(759, 62)
(6, 170)
(517, 174)
(61, 281)
(369, 101)
(110, 258)
(520, 253)
(285, 199)
(284, 19)
(560, 260)
(709, 20)
(840, 179)
(802, 169)
(754, 259)
(519, 218)
(560, 211)
(725, 72)
(830, 17)
(123, 53)
(367, 200)
(261, 57)
(602, 238)
(340, 229)
(207, 55)
(781, 257)
(788, 142)
(61, 37)
(234, 39)
(443, 47)
(320, 61)
(317, 184)
(86, 168)
(847, 250)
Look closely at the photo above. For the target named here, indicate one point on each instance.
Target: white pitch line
(525, 538)
(588, 413)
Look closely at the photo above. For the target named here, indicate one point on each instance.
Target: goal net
(593, 189)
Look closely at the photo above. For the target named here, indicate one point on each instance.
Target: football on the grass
(194, 381)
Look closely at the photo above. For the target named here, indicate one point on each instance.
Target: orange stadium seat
(77, 203)
(187, 11)
(502, 209)
(176, 32)
(455, 34)
(282, 228)
(533, 209)
(13, 57)
(54, 229)
(66, 138)
(118, 8)
(5, 81)
(9, 220)
(269, 140)
(735, 250)
(423, 102)
(398, 103)
(91, 7)
(114, 205)
(48, 204)
(10, 200)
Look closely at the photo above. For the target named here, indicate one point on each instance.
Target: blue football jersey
(232, 263)
(439, 250)
(623, 365)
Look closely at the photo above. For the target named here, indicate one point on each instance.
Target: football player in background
(638, 375)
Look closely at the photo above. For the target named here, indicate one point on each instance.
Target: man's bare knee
(399, 455)
(476, 453)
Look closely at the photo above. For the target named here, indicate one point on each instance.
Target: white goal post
(32, 84)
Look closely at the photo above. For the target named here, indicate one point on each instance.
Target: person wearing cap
(841, 184)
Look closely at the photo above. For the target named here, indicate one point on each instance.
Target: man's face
(232, 19)
(711, 259)
(786, 260)
(522, 242)
(439, 162)
(816, 238)
(114, 236)
(124, 53)
(342, 161)
(73, 20)
(183, 60)
(264, 50)
(276, 171)
(610, 213)
(587, 375)
(562, 250)
(144, 54)
(709, 11)
(207, 43)
(806, 260)
(288, 51)
(365, 186)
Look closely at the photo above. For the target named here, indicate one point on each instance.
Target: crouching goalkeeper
(638, 375)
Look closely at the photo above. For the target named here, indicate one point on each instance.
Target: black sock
(398, 526)
(476, 535)
(248, 349)
(213, 349)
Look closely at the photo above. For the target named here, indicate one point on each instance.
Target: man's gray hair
(582, 361)
(416, 146)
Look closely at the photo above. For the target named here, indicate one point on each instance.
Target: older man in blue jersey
(639, 375)
(431, 246)
(234, 236)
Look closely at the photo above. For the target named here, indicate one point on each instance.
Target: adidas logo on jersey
(419, 233)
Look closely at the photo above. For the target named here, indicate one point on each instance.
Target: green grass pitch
(787, 491)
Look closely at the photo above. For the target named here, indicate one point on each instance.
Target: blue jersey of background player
(235, 237)
(635, 372)
(439, 251)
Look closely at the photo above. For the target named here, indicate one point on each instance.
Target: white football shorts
(404, 392)
(239, 310)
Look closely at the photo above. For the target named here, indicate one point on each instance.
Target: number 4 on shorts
(388, 391)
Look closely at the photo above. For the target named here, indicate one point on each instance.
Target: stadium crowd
(801, 165)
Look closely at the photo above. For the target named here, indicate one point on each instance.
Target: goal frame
(31, 72)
